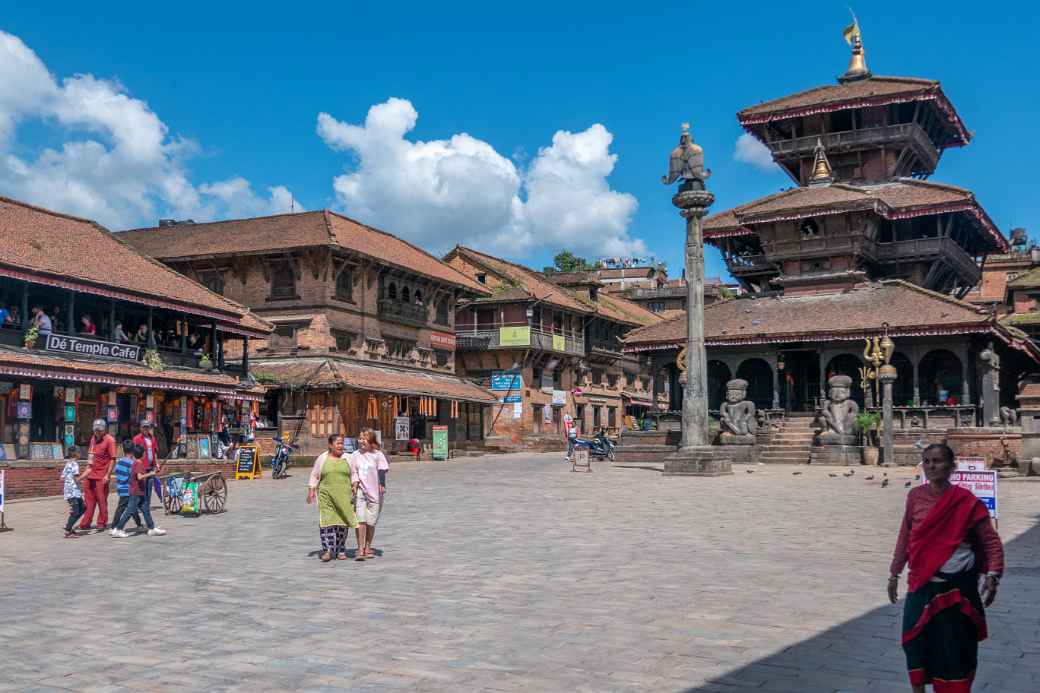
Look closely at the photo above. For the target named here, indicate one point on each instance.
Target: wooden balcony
(927, 249)
(905, 134)
(398, 311)
(749, 265)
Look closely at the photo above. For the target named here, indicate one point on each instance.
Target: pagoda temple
(863, 244)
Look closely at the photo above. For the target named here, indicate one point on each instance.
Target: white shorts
(367, 512)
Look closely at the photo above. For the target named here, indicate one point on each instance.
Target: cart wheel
(171, 502)
(215, 497)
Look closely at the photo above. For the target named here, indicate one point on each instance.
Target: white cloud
(461, 190)
(751, 151)
(117, 162)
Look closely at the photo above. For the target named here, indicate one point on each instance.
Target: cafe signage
(442, 340)
(82, 346)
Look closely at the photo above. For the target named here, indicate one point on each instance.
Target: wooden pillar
(965, 380)
(151, 329)
(823, 375)
(220, 354)
(915, 354)
(112, 320)
(213, 342)
(776, 380)
(245, 357)
(24, 414)
(184, 333)
(25, 305)
(71, 317)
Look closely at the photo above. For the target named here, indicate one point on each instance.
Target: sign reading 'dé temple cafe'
(82, 346)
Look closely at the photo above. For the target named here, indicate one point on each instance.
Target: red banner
(442, 340)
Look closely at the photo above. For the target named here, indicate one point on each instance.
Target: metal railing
(490, 337)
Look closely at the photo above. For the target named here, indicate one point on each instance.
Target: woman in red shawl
(949, 540)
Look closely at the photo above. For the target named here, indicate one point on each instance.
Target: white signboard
(559, 398)
(518, 410)
(401, 428)
(971, 473)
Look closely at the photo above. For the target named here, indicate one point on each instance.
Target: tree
(566, 261)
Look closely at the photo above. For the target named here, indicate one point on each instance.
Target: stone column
(776, 381)
(887, 375)
(696, 457)
(990, 395)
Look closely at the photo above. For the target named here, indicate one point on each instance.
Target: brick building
(128, 339)
(558, 335)
(363, 322)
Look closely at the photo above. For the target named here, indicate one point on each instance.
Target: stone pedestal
(699, 460)
(836, 455)
(740, 454)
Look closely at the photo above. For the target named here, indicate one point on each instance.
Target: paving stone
(504, 573)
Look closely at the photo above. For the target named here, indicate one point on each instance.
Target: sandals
(359, 557)
(326, 557)
(71, 535)
(341, 556)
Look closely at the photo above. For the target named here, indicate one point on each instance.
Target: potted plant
(153, 360)
(866, 425)
(205, 363)
(31, 335)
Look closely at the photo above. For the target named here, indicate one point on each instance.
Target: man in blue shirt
(122, 470)
(5, 315)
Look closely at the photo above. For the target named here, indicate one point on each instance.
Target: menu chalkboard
(248, 462)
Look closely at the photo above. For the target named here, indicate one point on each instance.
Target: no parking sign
(971, 473)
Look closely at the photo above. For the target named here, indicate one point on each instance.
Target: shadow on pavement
(864, 654)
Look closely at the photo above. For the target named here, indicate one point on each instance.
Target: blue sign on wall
(504, 381)
(511, 399)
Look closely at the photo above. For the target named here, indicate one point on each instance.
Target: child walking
(139, 476)
(72, 491)
(122, 469)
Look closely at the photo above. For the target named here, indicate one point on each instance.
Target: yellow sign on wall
(559, 342)
(514, 336)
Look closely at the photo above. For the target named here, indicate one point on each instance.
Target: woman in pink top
(368, 469)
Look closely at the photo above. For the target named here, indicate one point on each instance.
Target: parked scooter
(599, 446)
(280, 461)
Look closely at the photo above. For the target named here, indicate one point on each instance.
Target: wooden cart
(212, 491)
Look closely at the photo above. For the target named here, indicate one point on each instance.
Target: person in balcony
(141, 336)
(87, 325)
(5, 316)
(119, 334)
(42, 321)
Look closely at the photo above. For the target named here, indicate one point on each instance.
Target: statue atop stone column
(838, 413)
(687, 163)
(737, 416)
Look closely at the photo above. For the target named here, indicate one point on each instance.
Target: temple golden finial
(858, 62)
(821, 173)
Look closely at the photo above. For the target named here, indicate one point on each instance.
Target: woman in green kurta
(330, 485)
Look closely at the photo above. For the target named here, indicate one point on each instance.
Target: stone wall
(988, 443)
(34, 479)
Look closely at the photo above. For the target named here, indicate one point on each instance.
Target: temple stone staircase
(641, 447)
(791, 443)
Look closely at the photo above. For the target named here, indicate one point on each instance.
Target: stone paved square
(507, 573)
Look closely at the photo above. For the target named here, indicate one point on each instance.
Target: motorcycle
(599, 447)
(280, 461)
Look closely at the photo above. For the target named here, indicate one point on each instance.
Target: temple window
(283, 281)
(345, 285)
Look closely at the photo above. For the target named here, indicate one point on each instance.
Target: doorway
(43, 414)
(800, 381)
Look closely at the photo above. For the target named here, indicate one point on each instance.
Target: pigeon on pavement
(884, 483)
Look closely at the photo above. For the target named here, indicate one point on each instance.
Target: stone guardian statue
(839, 413)
(737, 416)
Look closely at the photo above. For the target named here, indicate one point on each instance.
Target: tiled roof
(908, 309)
(15, 361)
(619, 309)
(523, 282)
(1029, 280)
(46, 244)
(333, 372)
(552, 289)
(874, 91)
(288, 232)
(900, 199)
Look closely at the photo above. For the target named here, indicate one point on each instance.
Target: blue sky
(238, 89)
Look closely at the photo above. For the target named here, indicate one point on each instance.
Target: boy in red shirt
(140, 477)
